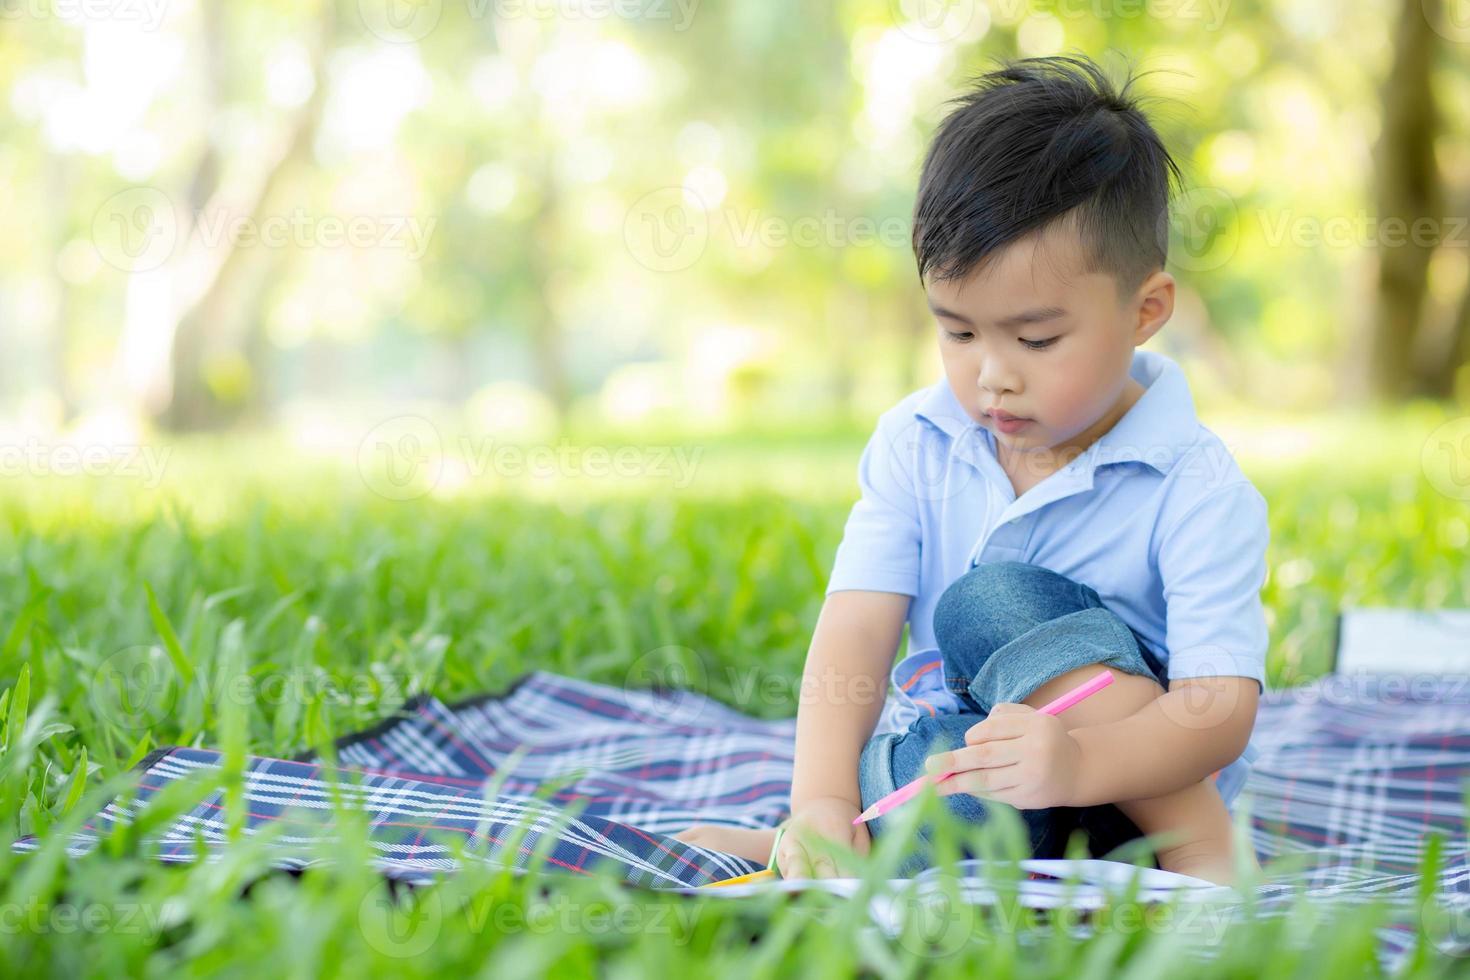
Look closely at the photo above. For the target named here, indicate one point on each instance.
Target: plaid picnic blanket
(1341, 800)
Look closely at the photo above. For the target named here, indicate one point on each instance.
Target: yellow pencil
(769, 871)
(763, 873)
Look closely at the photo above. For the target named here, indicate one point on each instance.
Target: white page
(1095, 880)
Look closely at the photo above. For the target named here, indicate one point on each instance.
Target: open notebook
(1085, 883)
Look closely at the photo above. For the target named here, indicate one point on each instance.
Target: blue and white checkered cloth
(1345, 789)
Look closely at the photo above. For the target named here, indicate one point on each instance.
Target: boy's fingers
(986, 755)
(791, 860)
(850, 865)
(822, 864)
(978, 782)
(995, 727)
(803, 857)
(807, 862)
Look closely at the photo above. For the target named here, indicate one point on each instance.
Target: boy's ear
(1154, 303)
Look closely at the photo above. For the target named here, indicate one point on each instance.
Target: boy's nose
(996, 379)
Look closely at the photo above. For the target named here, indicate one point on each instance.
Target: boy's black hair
(1034, 141)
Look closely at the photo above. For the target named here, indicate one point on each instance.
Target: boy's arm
(875, 575)
(843, 687)
(1199, 725)
(1212, 562)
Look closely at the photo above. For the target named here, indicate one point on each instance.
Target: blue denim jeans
(1004, 629)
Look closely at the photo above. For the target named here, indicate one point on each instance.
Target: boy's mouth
(1007, 423)
(1000, 416)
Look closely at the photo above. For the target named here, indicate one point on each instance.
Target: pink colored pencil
(905, 793)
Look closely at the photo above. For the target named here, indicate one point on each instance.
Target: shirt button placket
(1006, 542)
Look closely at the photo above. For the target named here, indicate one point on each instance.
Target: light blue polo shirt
(1155, 516)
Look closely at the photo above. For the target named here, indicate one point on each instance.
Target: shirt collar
(1156, 430)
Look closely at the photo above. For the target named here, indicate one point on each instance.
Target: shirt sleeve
(1213, 566)
(879, 551)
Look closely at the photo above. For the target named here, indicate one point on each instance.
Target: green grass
(282, 603)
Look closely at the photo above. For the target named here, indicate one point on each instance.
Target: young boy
(1051, 508)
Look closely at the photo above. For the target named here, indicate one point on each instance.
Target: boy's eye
(967, 336)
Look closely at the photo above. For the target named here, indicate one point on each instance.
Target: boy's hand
(1017, 755)
(826, 818)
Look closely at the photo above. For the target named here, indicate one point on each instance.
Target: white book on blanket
(1424, 642)
(1085, 883)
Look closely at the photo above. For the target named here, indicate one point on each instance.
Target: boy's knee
(990, 581)
(994, 602)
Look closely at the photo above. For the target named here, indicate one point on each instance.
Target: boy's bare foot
(753, 845)
(1210, 859)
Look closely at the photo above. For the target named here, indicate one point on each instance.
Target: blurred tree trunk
(226, 295)
(255, 345)
(1408, 187)
(186, 407)
(60, 187)
(1459, 349)
(546, 331)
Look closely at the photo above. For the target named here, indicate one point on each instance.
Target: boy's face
(1028, 336)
